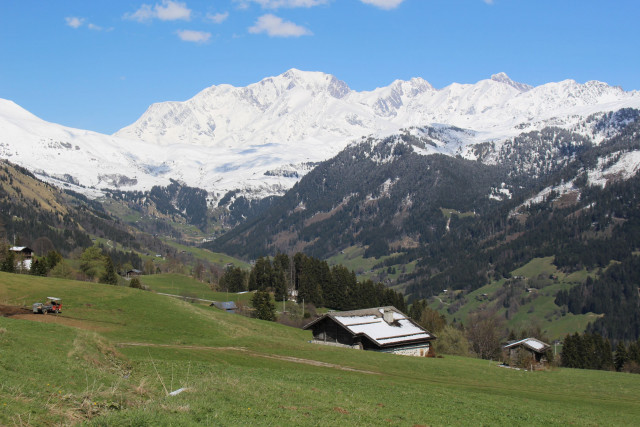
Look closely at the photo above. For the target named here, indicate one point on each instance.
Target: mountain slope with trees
(466, 223)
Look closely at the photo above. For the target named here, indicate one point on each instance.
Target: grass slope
(113, 352)
(178, 284)
(539, 308)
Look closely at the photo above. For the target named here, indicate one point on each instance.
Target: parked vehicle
(53, 305)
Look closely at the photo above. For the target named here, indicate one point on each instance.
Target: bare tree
(484, 331)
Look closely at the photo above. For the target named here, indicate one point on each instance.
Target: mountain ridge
(268, 133)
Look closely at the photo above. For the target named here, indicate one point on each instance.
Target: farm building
(228, 306)
(532, 346)
(384, 329)
(133, 273)
(23, 256)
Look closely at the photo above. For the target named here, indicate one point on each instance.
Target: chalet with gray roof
(534, 346)
(384, 329)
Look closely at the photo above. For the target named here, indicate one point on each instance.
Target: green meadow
(185, 286)
(538, 308)
(114, 355)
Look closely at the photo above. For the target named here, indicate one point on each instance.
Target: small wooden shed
(533, 346)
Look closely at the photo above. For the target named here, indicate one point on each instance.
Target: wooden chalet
(533, 346)
(384, 329)
(25, 252)
(24, 256)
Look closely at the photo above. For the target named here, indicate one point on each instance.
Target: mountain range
(430, 189)
(261, 139)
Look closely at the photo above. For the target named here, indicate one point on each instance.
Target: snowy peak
(503, 78)
(261, 138)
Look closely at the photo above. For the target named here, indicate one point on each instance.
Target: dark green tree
(135, 283)
(265, 309)
(279, 285)
(261, 276)
(621, 357)
(234, 279)
(52, 258)
(38, 267)
(7, 260)
(109, 277)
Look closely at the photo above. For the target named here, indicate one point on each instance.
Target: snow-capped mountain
(314, 110)
(263, 138)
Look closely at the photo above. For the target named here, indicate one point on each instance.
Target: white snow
(226, 138)
(626, 167)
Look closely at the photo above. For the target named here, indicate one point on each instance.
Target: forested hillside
(464, 224)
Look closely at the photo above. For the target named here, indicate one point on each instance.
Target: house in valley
(384, 329)
(23, 257)
(528, 347)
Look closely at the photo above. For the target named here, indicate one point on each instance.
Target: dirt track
(16, 312)
(12, 310)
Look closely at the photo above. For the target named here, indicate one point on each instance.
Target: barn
(532, 347)
(384, 329)
(24, 256)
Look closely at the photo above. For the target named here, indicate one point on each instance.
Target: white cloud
(94, 27)
(74, 21)
(167, 11)
(144, 14)
(488, 1)
(217, 18)
(194, 36)
(274, 26)
(172, 10)
(383, 4)
(276, 4)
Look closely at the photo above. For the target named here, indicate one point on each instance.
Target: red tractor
(53, 305)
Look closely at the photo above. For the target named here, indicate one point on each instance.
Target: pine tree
(110, 277)
(265, 308)
(8, 260)
(279, 285)
(135, 283)
(38, 267)
(621, 356)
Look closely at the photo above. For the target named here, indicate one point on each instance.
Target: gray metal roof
(533, 344)
(370, 322)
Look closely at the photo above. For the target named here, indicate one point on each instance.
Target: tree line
(314, 281)
(592, 351)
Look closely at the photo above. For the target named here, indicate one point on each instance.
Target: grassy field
(178, 284)
(538, 309)
(215, 258)
(114, 353)
(353, 258)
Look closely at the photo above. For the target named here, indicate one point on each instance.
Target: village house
(23, 256)
(384, 329)
(528, 347)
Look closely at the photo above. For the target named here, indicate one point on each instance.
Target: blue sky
(98, 64)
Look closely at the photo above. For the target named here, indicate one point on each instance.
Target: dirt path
(12, 310)
(250, 353)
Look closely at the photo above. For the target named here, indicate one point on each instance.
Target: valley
(426, 200)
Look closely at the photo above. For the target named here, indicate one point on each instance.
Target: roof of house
(225, 305)
(530, 343)
(20, 249)
(369, 322)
